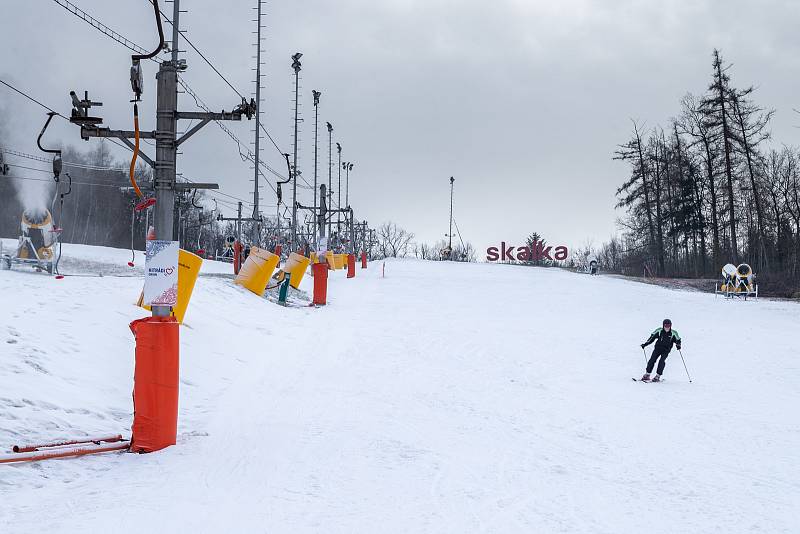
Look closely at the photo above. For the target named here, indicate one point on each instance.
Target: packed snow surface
(440, 398)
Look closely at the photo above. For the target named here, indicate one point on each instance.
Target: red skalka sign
(537, 252)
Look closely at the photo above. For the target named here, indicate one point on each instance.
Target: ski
(648, 381)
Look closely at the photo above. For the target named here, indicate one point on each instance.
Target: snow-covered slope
(441, 398)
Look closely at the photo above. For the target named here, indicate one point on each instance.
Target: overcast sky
(522, 101)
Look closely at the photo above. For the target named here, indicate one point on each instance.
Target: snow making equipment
(737, 281)
(592, 265)
(227, 250)
(745, 280)
(257, 270)
(296, 266)
(728, 275)
(37, 242)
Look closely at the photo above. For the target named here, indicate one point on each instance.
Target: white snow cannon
(728, 276)
(738, 281)
(592, 266)
(36, 245)
(227, 250)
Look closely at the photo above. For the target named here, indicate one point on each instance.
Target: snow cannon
(728, 276)
(257, 270)
(296, 267)
(738, 281)
(37, 241)
(37, 226)
(744, 278)
(227, 249)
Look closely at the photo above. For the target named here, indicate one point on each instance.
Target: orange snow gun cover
(155, 384)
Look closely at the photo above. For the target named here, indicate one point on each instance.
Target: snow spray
(33, 196)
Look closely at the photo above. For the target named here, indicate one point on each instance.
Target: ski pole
(645, 356)
(684, 365)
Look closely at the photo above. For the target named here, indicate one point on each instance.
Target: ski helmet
(666, 322)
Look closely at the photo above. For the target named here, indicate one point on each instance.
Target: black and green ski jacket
(664, 340)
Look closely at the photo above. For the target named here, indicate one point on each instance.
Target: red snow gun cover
(320, 272)
(155, 384)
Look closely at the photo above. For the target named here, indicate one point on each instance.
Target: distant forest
(710, 188)
(99, 208)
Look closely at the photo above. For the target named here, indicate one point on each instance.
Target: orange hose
(135, 150)
(61, 453)
(33, 447)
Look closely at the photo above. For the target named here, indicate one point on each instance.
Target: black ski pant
(658, 352)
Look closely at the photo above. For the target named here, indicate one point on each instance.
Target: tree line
(99, 209)
(709, 189)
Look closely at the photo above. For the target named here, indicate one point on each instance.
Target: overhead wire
(249, 156)
(86, 166)
(103, 28)
(79, 165)
(29, 97)
(48, 171)
(222, 76)
(93, 184)
(119, 38)
(103, 168)
(185, 38)
(238, 93)
(116, 36)
(224, 79)
(463, 246)
(199, 103)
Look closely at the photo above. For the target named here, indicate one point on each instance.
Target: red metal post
(237, 256)
(320, 273)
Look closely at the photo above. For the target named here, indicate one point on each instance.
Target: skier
(664, 337)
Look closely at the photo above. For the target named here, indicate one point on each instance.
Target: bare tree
(711, 183)
(717, 107)
(752, 122)
(393, 241)
(695, 124)
(636, 188)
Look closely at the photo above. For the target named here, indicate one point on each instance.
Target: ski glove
(644, 345)
(678, 344)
